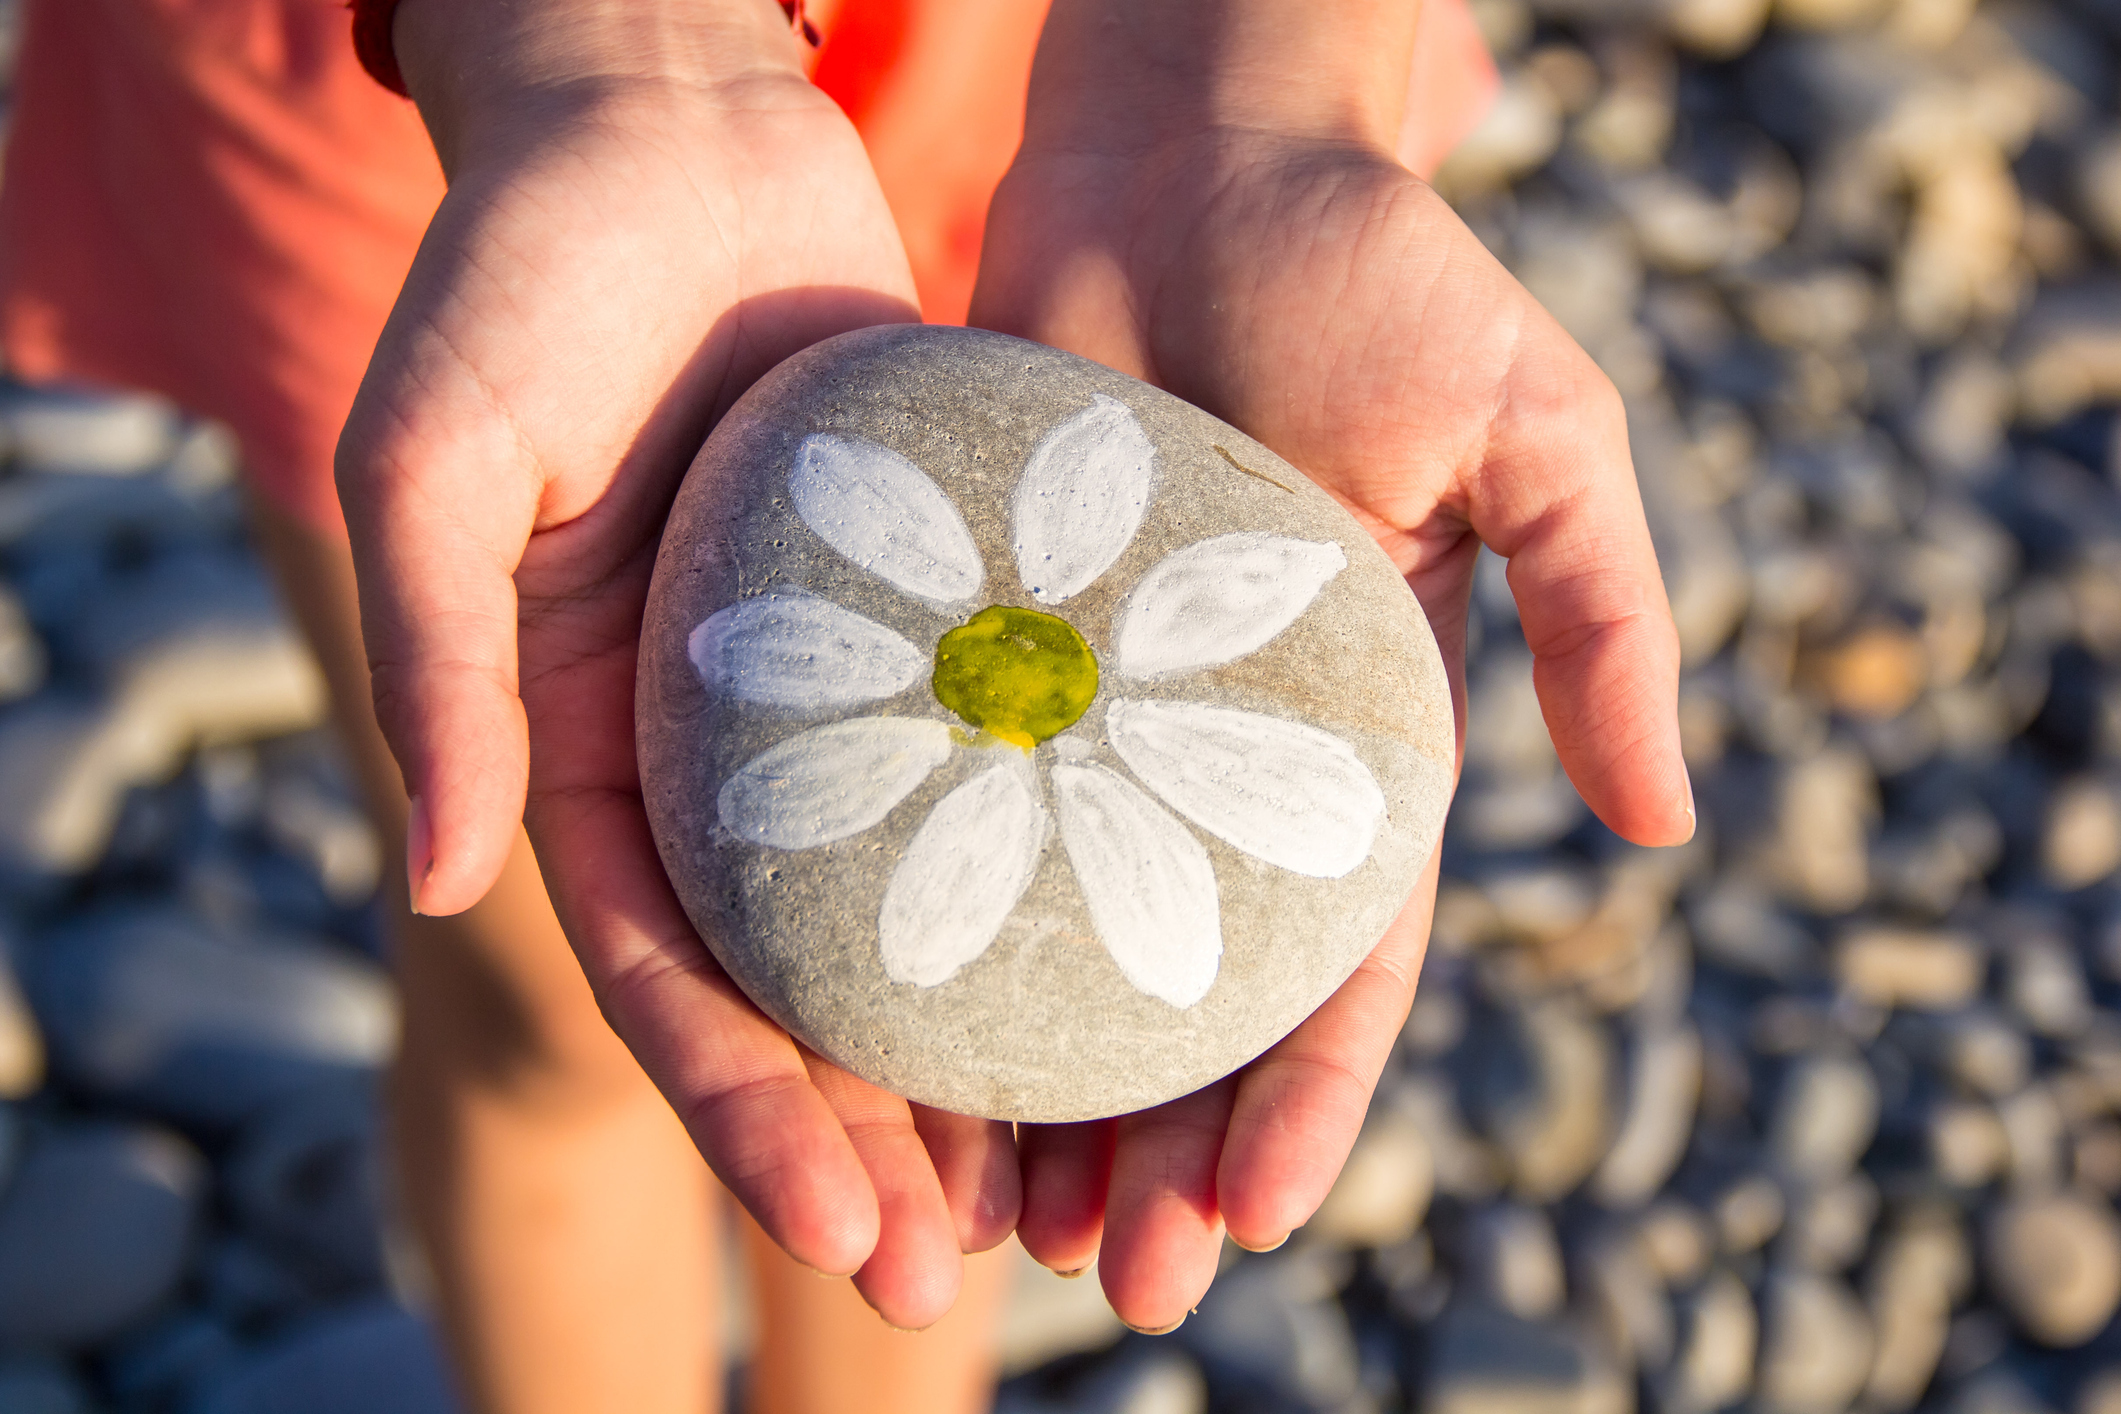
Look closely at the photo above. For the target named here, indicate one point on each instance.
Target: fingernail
(1693, 822)
(1156, 1330)
(419, 850)
(1269, 1247)
(1071, 1274)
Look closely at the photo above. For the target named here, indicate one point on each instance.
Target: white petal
(1215, 601)
(967, 865)
(1081, 499)
(799, 651)
(830, 782)
(1280, 791)
(882, 512)
(1149, 884)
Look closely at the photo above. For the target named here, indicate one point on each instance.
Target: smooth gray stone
(363, 1359)
(1306, 818)
(42, 1386)
(1270, 1326)
(168, 1358)
(63, 429)
(1485, 1361)
(307, 1173)
(95, 1228)
(154, 1009)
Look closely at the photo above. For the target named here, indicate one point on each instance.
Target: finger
(736, 1080)
(1300, 1106)
(1066, 1168)
(975, 1161)
(438, 512)
(914, 1274)
(1557, 497)
(1163, 1231)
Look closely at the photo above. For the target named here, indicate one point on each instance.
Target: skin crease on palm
(648, 209)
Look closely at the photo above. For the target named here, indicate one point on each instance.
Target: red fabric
(211, 199)
(372, 44)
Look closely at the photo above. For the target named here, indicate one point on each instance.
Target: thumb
(439, 504)
(1557, 498)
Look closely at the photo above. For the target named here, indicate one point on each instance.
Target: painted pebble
(1023, 739)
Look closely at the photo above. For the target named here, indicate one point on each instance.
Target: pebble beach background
(1820, 1113)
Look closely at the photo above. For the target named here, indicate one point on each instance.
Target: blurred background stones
(1820, 1113)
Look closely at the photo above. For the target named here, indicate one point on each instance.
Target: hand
(1207, 199)
(648, 207)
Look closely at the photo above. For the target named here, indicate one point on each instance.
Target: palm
(582, 309)
(1328, 303)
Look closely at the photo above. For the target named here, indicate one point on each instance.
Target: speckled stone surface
(1191, 855)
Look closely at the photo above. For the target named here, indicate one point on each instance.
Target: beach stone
(1270, 1326)
(79, 430)
(1485, 1361)
(1023, 739)
(1513, 1260)
(151, 1008)
(1816, 1345)
(356, 1360)
(96, 1225)
(1824, 1117)
(33, 1385)
(1384, 1188)
(1664, 1089)
(2054, 1261)
(21, 1044)
(307, 1172)
(1910, 967)
(1720, 1333)
(1923, 1267)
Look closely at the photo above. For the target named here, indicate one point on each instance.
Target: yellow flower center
(1016, 673)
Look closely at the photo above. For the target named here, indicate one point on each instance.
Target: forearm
(1116, 74)
(474, 64)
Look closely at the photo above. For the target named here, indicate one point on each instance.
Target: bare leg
(821, 1350)
(567, 1217)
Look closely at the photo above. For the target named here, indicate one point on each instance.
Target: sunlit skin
(650, 207)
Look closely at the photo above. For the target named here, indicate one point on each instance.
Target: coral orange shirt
(210, 199)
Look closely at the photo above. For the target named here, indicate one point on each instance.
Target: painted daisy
(1013, 681)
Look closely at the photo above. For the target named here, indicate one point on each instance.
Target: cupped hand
(1308, 289)
(625, 246)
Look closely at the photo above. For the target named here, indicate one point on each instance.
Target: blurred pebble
(360, 1360)
(55, 429)
(1907, 967)
(1816, 1344)
(152, 1008)
(1923, 1267)
(1485, 1361)
(96, 1225)
(2054, 1261)
(42, 1386)
(1271, 1326)
(1720, 1334)
(1824, 1117)
(1384, 1187)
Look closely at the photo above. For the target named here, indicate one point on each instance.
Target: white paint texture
(964, 869)
(1215, 601)
(885, 514)
(1280, 791)
(1081, 498)
(803, 653)
(831, 781)
(1148, 882)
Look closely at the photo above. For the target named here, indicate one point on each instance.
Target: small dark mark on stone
(1248, 470)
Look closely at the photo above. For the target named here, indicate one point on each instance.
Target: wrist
(1120, 75)
(476, 67)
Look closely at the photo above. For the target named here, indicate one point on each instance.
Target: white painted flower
(1282, 792)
